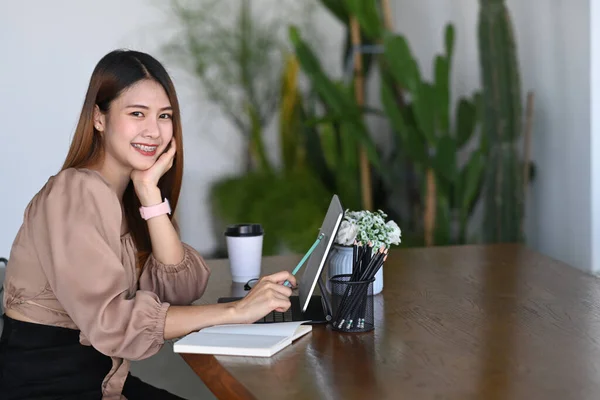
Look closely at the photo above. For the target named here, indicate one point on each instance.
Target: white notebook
(258, 340)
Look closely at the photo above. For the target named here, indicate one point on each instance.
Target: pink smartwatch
(155, 210)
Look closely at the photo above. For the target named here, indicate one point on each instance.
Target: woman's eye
(166, 116)
(137, 114)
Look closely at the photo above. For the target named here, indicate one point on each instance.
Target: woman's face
(138, 126)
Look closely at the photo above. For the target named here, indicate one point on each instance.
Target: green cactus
(426, 136)
(502, 115)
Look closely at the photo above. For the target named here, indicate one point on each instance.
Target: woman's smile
(145, 149)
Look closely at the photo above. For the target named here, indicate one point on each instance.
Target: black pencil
(355, 265)
(366, 257)
(366, 275)
(379, 264)
(358, 257)
(368, 253)
(354, 253)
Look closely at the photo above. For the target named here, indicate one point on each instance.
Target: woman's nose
(151, 130)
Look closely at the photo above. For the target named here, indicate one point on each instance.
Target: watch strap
(155, 210)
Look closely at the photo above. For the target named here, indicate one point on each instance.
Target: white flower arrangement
(366, 226)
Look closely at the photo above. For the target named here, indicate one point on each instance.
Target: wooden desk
(475, 322)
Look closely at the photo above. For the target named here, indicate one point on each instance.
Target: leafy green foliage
(290, 208)
(426, 136)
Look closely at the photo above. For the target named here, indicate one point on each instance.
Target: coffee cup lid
(244, 230)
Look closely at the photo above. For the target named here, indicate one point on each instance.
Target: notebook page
(285, 329)
(231, 341)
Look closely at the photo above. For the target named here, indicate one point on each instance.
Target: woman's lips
(145, 150)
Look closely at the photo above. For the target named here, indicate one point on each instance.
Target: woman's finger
(292, 280)
(167, 158)
(281, 302)
(280, 277)
(171, 153)
(279, 288)
(173, 145)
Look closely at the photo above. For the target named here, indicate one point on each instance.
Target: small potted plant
(364, 227)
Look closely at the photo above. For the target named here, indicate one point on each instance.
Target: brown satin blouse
(70, 266)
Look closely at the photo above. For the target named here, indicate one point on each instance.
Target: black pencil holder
(351, 304)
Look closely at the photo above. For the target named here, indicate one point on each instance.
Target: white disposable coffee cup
(244, 249)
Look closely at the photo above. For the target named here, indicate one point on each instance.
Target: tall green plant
(370, 26)
(290, 202)
(340, 130)
(502, 116)
(426, 134)
(393, 186)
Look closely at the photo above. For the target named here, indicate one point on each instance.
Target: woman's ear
(99, 119)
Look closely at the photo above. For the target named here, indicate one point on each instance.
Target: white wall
(595, 131)
(555, 55)
(50, 50)
(46, 66)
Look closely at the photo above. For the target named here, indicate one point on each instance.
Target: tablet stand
(326, 305)
(324, 299)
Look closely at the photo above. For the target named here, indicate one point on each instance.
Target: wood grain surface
(469, 322)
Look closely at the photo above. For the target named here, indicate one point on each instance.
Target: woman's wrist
(215, 314)
(233, 313)
(148, 195)
(181, 320)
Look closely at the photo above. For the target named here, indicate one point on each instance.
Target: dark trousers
(41, 362)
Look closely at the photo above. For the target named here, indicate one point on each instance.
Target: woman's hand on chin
(145, 182)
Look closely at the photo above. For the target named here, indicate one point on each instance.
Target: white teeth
(145, 148)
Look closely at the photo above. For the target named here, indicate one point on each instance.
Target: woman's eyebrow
(166, 108)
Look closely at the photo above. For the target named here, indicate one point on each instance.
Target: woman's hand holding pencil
(267, 295)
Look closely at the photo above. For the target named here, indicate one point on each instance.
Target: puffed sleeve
(177, 284)
(76, 225)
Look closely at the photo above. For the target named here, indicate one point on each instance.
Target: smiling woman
(131, 101)
(98, 275)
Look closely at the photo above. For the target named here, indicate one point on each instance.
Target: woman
(97, 274)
